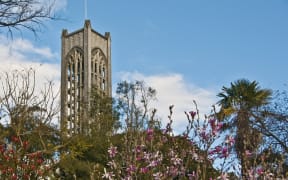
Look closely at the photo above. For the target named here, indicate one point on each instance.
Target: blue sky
(210, 42)
(186, 49)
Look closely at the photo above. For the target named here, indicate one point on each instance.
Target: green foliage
(142, 142)
(153, 153)
(104, 116)
(133, 100)
(86, 154)
(240, 104)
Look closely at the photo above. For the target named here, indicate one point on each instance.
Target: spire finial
(85, 9)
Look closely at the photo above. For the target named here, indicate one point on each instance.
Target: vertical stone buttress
(85, 64)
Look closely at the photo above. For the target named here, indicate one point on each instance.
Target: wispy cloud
(60, 5)
(57, 5)
(21, 54)
(173, 89)
(22, 46)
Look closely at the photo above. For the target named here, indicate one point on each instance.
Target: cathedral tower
(86, 63)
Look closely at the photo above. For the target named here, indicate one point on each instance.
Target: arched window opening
(75, 74)
(68, 70)
(103, 72)
(103, 85)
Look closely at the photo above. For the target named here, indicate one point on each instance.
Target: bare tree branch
(25, 14)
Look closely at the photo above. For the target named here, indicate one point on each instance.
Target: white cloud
(20, 49)
(25, 46)
(21, 54)
(173, 89)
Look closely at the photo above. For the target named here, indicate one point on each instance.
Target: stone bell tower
(86, 63)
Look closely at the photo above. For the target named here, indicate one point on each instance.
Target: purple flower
(112, 151)
(217, 149)
(223, 176)
(248, 153)
(157, 176)
(153, 163)
(138, 148)
(219, 126)
(112, 164)
(172, 171)
(224, 152)
(176, 161)
(192, 114)
(260, 171)
(144, 170)
(230, 140)
(139, 158)
(212, 122)
(203, 135)
(107, 175)
(131, 169)
(146, 156)
(149, 131)
(149, 134)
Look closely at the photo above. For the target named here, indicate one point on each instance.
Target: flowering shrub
(17, 163)
(159, 154)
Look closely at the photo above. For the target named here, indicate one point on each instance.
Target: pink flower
(211, 152)
(112, 164)
(260, 171)
(212, 122)
(219, 126)
(218, 149)
(248, 153)
(131, 169)
(144, 170)
(112, 151)
(107, 175)
(204, 135)
(230, 140)
(149, 134)
(224, 176)
(172, 171)
(176, 161)
(153, 163)
(139, 158)
(157, 176)
(138, 149)
(224, 152)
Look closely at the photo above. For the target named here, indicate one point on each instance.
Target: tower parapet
(85, 63)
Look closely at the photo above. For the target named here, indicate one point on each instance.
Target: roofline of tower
(66, 34)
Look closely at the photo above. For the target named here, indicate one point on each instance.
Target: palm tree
(240, 104)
